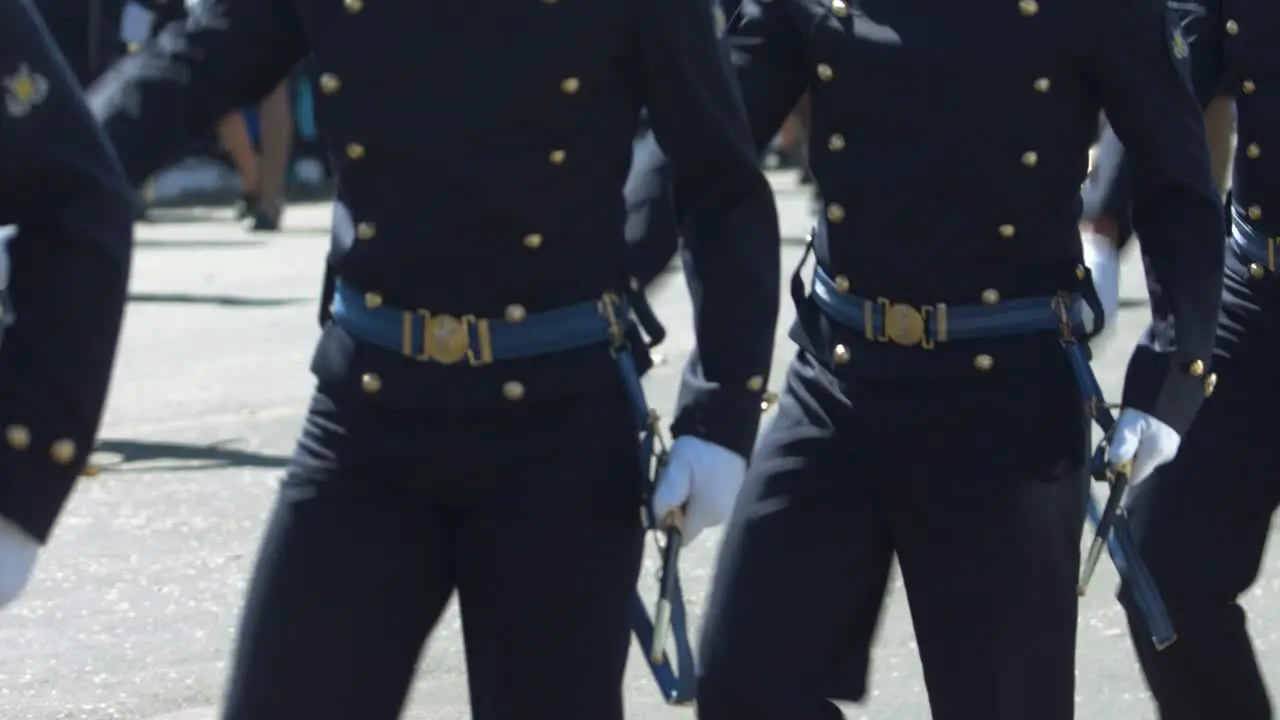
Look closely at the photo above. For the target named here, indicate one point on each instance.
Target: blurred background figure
(263, 167)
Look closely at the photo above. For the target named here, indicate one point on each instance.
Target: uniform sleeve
(228, 54)
(1176, 209)
(725, 209)
(69, 264)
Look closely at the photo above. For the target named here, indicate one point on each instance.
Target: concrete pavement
(132, 614)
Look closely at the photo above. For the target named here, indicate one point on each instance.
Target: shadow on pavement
(228, 300)
(196, 244)
(118, 455)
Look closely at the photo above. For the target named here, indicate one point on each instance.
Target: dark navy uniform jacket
(481, 151)
(62, 187)
(950, 140)
(1234, 53)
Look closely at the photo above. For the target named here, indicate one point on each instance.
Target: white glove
(702, 479)
(1103, 261)
(18, 552)
(1143, 440)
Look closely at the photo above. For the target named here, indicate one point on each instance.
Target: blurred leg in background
(275, 129)
(233, 134)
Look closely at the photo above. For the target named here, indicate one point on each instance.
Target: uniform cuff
(727, 416)
(1167, 386)
(37, 472)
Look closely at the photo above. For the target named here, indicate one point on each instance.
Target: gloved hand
(1103, 260)
(18, 552)
(1144, 441)
(702, 479)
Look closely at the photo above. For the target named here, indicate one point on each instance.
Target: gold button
(570, 85)
(835, 213)
(366, 231)
(330, 84)
(1081, 272)
(990, 296)
(842, 284)
(1007, 231)
(1196, 368)
(825, 73)
(769, 400)
(557, 157)
(1030, 158)
(983, 362)
(1257, 271)
(755, 383)
(533, 241)
(63, 451)
(1249, 87)
(370, 383)
(1210, 384)
(1028, 7)
(1253, 151)
(18, 437)
(372, 300)
(353, 6)
(841, 354)
(1042, 84)
(513, 391)
(835, 143)
(515, 314)
(1255, 212)
(355, 151)
(1233, 27)
(839, 8)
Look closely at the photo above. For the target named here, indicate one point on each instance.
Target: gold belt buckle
(446, 339)
(905, 325)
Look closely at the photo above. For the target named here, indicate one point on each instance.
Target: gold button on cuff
(1249, 87)
(1255, 212)
(755, 383)
(353, 6)
(63, 451)
(1253, 151)
(18, 437)
(570, 85)
(1042, 84)
(768, 401)
(835, 143)
(515, 314)
(355, 151)
(839, 8)
(366, 231)
(1196, 368)
(330, 84)
(557, 157)
(825, 73)
(835, 213)
(372, 300)
(1233, 27)
(1210, 384)
(990, 296)
(513, 391)
(1008, 231)
(533, 241)
(1257, 271)
(1081, 272)
(1030, 158)
(983, 362)
(370, 383)
(841, 354)
(842, 284)
(1028, 8)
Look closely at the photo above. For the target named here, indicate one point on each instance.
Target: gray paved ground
(132, 613)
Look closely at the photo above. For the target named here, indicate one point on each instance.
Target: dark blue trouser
(1201, 523)
(975, 485)
(531, 515)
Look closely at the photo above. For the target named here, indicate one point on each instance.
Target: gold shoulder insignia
(1179, 45)
(722, 23)
(24, 90)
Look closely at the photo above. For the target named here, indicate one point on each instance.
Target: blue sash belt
(1250, 243)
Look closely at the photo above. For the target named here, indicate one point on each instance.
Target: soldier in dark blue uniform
(62, 284)
(1202, 522)
(931, 412)
(471, 429)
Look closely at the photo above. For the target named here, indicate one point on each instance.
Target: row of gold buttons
(62, 450)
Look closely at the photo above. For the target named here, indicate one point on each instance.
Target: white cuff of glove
(1103, 260)
(703, 480)
(18, 552)
(1143, 440)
